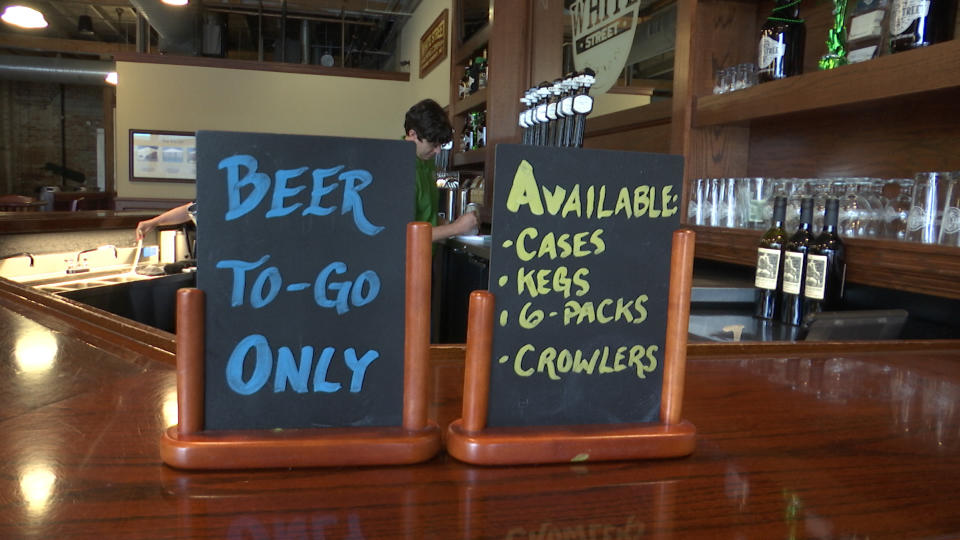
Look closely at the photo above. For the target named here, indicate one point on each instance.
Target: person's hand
(466, 224)
(144, 227)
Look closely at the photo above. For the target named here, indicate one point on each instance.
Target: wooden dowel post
(190, 352)
(678, 320)
(476, 388)
(417, 326)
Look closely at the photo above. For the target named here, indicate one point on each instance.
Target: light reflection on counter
(923, 404)
(36, 486)
(35, 352)
(169, 409)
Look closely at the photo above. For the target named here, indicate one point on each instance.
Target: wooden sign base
(187, 446)
(470, 440)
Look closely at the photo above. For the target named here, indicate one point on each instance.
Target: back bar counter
(794, 440)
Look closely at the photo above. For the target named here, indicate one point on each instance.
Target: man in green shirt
(426, 126)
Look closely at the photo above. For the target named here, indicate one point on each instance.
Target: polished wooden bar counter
(827, 442)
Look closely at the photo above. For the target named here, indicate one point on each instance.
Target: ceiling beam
(79, 46)
(106, 20)
(57, 20)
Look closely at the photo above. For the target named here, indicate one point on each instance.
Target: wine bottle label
(566, 106)
(859, 55)
(904, 12)
(951, 220)
(793, 272)
(866, 25)
(552, 111)
(768, 267)
(582, 104)
(816, 282)
(771, 50)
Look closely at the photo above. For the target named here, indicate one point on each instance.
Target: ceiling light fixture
(176, 2)
(24, 17)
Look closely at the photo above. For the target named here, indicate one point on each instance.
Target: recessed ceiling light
(23, 17)
(176, 2)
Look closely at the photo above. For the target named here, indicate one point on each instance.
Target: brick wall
(31, 134)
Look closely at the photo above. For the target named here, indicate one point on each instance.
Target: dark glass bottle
(795, 266)
(769, 275)
(826, 266)
(782, 38)
(918, 23)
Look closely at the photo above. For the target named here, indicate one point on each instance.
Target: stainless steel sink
(72, 282)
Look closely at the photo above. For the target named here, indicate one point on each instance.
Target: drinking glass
(950, 223)
(698, 195)
(926, 207)
(746, 76)
(872, 190)
(819, 189)
(724, 80)
(753, 201)
(711, 210)
(728, 214)
(796, 190)
(899, 194)
(855, 211)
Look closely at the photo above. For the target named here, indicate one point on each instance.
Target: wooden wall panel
(918, 133)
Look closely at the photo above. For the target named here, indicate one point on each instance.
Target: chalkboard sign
(301, 258)
(580, 269)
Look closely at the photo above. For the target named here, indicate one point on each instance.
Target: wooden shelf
(473, 157)
(916, 72)
(906, 266)
(467, 49)
(476, 100)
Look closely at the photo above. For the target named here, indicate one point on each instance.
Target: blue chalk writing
(351, 199)
(345, 290)
(268, 284)
(358, 366)
(319, 190)
(259, 181)
(261, 371)
(320, 382)
(239, 268)
(256, 184)
(281, 192)
(289, 371)
(290, 374)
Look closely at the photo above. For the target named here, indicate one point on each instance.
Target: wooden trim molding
(253, 65)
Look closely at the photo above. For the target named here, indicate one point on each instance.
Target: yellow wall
(611, 103)
(185, 98)
(436, 84)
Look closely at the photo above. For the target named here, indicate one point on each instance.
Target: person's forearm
(173, 216)
(443, 231)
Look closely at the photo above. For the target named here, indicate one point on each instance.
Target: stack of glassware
(925, 208)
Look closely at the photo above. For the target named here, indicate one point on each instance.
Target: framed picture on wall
(163, 156)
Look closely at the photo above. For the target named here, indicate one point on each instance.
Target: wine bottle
(826, 266)
(782, 38)
(769, 274)
(918, 23)
(795, 266)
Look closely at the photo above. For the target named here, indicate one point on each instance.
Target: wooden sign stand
(470, 440)
(187, 446)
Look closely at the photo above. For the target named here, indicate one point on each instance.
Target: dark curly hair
(429, 121)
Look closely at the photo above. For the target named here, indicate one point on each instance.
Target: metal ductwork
(177, 26)
(54, 70)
